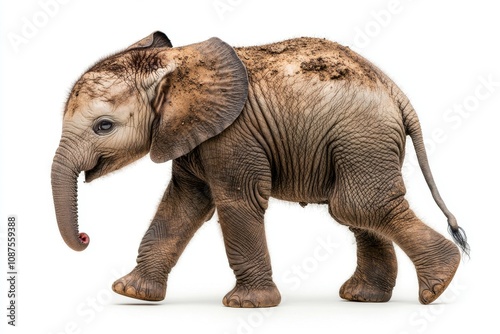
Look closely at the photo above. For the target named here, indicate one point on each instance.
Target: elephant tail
(413, 129)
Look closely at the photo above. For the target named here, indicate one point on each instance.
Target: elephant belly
(303, 199)
(304, 178)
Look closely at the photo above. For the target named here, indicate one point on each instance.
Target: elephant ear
(155, 40)
(198, 99)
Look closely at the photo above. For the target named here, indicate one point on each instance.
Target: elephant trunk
(64, 192)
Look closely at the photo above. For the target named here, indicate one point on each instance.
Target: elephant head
(149, 98)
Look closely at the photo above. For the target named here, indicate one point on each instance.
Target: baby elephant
(305, 120)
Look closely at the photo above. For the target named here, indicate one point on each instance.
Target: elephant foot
(358, 290)
(434, 275)
(252, 297)
(136, 286)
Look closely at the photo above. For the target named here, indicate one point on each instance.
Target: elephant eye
(103, 127)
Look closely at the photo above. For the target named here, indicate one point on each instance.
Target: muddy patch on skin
(332, 71)
(310, 57)
(317, 64)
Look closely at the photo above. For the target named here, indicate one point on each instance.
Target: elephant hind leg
(436, 258)
(379, 209)
(376, 271)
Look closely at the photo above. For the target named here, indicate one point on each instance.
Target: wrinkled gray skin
(305, 120)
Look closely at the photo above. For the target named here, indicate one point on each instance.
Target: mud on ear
(199, 99)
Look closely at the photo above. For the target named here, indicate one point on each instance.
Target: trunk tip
(84, 238)
(84, 241)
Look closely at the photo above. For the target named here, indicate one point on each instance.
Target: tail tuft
(460, 238)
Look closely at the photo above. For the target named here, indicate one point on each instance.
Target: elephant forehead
(97, 107)
(94, 89)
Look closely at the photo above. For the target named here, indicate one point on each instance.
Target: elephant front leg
(246, 248)
(158, 254)
(375, 274)
(186, 205)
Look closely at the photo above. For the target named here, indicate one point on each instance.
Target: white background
(441, 55)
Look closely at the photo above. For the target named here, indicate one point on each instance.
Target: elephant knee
(367, 213)
(346, 211)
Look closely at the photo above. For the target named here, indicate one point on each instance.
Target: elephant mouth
(104, 165)
(96, 171)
